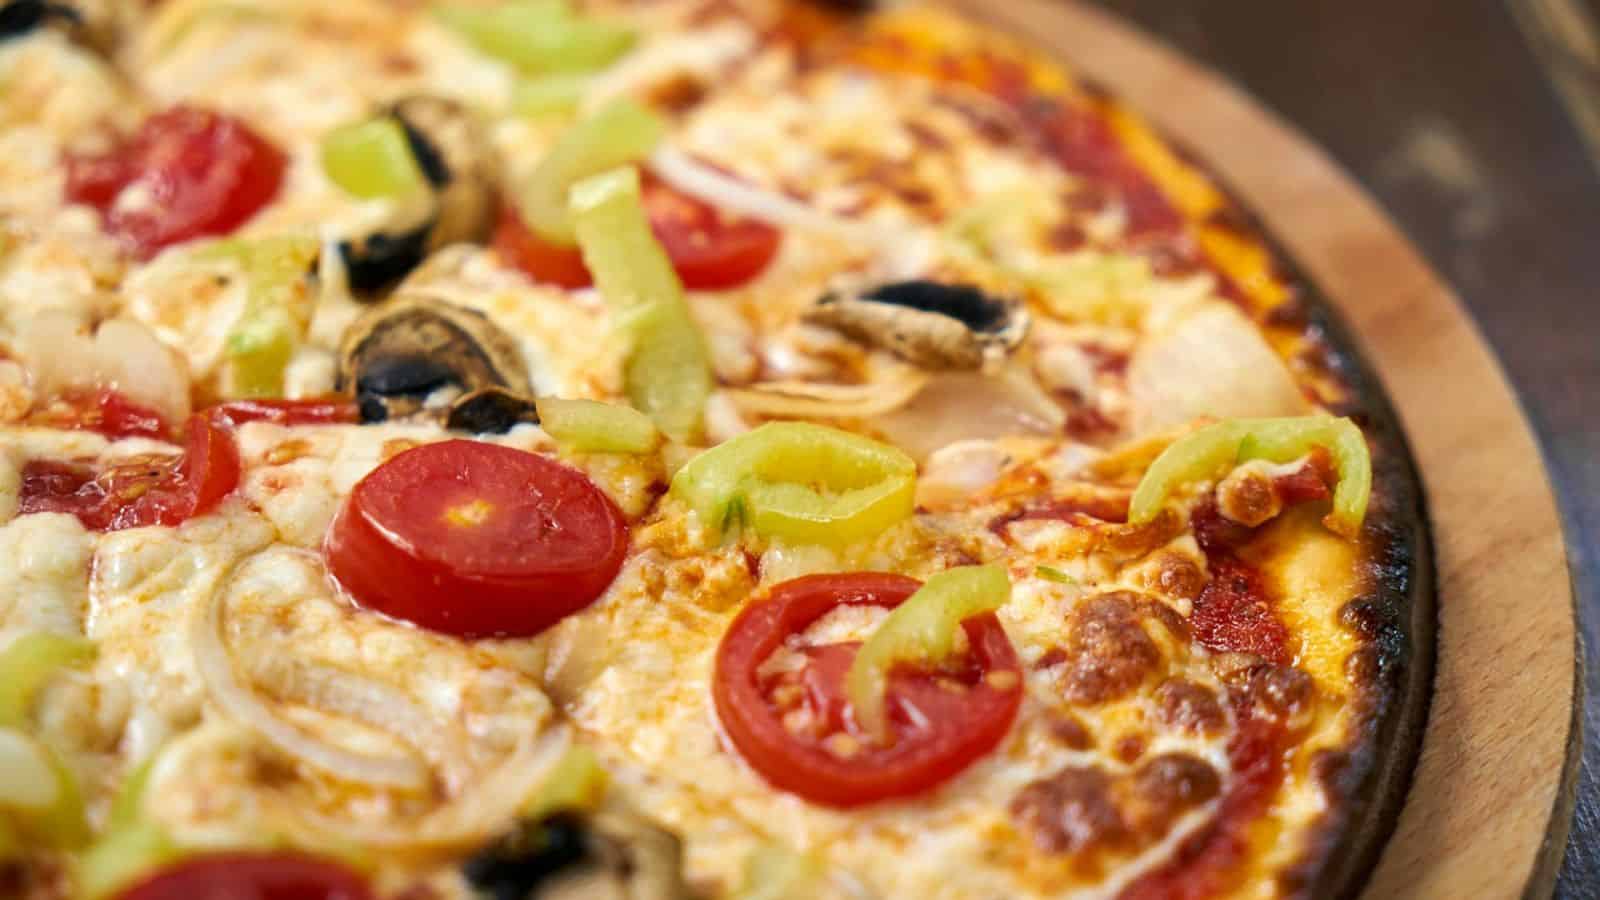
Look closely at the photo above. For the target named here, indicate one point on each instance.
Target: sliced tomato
(251, 876)
(105, 412)
(710, 251)
(476, 540)
(197, 173)
(329, 411)
(152, 490)
(794, 727)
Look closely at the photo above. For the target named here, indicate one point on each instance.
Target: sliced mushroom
(456, 161)
(928, 323)
(399, 354)
(607, 856)
(89, 22)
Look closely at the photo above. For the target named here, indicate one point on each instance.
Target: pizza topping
(429, 156)
(277, 311)
(667, 374)
(399, 354)
(63, 355)
(619, 133)
(920, 632)
(194, 173)
(719, 190)
(89, 22)
(965, 406)
(928, 323)
(797, 727)
(539, 36)
(153, 490)
(491, 410)
(800, 482)
(1234, 614)
(259, 875)
(312, 411)
(1216, 449)
(39, 795)
(1108, 652)
(567, 855)
(476, 540)
(28, 664)
(1212, 362)
(592, 427)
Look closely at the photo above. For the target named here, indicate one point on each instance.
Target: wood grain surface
(1489, 809)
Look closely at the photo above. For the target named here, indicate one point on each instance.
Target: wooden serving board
(1491, 802)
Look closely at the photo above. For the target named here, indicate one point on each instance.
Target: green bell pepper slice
(29, 663)
(1211, 451)
(372, 159)
(590, 426)
(619, 133)
(667, 372)
(578, 782)
(59, 820)
(276, 311)
(801, 482)
(547, 95)
(539, 35)
(920, 631)
(121, 857)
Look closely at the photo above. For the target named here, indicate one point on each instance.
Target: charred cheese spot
(1189, 707)
(1083, 809)
(1108, 653)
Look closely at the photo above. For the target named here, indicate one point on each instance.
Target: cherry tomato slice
(199, 173)
(105, 412)
(332, 411)
(158, 490)
(709, 251)
(793, 727)
(476, 540)
(251, 876)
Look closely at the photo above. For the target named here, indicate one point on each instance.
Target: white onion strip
(366, 700)
(732, 195)
(839, 401)
(475, 816)
(243, 706)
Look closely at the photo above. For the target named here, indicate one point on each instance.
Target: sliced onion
(1211, 362)
(967, 406)
(243, 706)
(732, 195)
(956, 473)
(806, 399)
(59, 353)
(357, 697)
(472, 818)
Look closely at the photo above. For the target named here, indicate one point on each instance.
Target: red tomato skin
(249, 875)
(329, 411)
(106, 412)
(204, 173)
(549, 545)
(961, 729)
(540, 260)
(708, 252)
(160, 491)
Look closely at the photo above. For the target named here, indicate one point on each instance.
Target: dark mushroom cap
(928, 323)
(454, 156)
(89, 22)
(393, 357)
(575, 857)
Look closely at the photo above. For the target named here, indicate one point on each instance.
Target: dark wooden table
(1465, 118)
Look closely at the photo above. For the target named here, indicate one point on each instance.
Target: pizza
(677, 449)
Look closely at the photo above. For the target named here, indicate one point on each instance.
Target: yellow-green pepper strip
(667, 373)
(371, 158)
(40, 792)
(578, 782)
(776, 873)
(539, 36)
(548, 94)
(277, 311)
(618, 133)
(589, 426)
(122, 856)
(28, 663)
(1211, 451)
(920, 631)
(801, 482)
